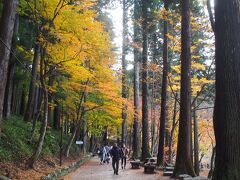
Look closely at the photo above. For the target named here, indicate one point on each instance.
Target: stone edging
(66, 170)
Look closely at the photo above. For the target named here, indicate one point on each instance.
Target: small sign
(79, 142)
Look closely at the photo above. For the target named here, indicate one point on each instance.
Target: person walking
(100, 154)
(115, 153)
(124, 152)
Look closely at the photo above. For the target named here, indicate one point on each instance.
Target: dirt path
(92, 170)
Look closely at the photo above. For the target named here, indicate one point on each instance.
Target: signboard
(79, 142)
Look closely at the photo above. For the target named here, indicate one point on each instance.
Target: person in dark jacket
(115, 153)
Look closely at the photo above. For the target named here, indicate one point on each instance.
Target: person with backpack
(115, 153)
(124, 155)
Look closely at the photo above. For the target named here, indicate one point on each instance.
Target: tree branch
(212, 21)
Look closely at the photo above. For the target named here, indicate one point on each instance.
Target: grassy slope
(15, 145)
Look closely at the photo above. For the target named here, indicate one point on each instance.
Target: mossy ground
(15, 144)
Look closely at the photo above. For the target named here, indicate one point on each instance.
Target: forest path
(92, 170)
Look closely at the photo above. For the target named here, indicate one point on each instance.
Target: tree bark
(51, 79)
(210, 13)
(8, 91)
(153, 117)
(173, 130)
(160, 156)
(145, 123)
(184, 149)
(9, 84)
(56, 119)
(136, 124)
(210, 174)
(6, 33)
(37, 114)
(14, 96)
(124, 73)
(32, 88)
(227, 99)
(36, 99)
(66, 125)
(196, 146)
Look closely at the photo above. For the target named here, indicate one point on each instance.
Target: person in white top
(124, 152)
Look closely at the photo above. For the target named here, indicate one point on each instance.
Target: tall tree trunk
(160, 156)
(136, 124)
(30, 104)
(36, 98)
(66, 124)
(8, 91)
(145, 126)
(14, 96)
(9, 85)
(173, 130)
(153, 104)
(227, 102)
(56, 119)
(210, 173)
(196, 146)
(6, 32)
(124, 73)
(184, 149)
(153, 118)
(37, 114)
(38, 150)
(210, 13)
(50, 94)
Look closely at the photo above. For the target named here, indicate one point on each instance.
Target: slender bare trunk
(210, 174)
(8, 92)
(196, 146)
(124, 73)
(32, 87)
(36, 154)
(174, 125)
(37, 113)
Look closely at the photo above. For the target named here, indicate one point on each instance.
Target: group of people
(117, 154)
